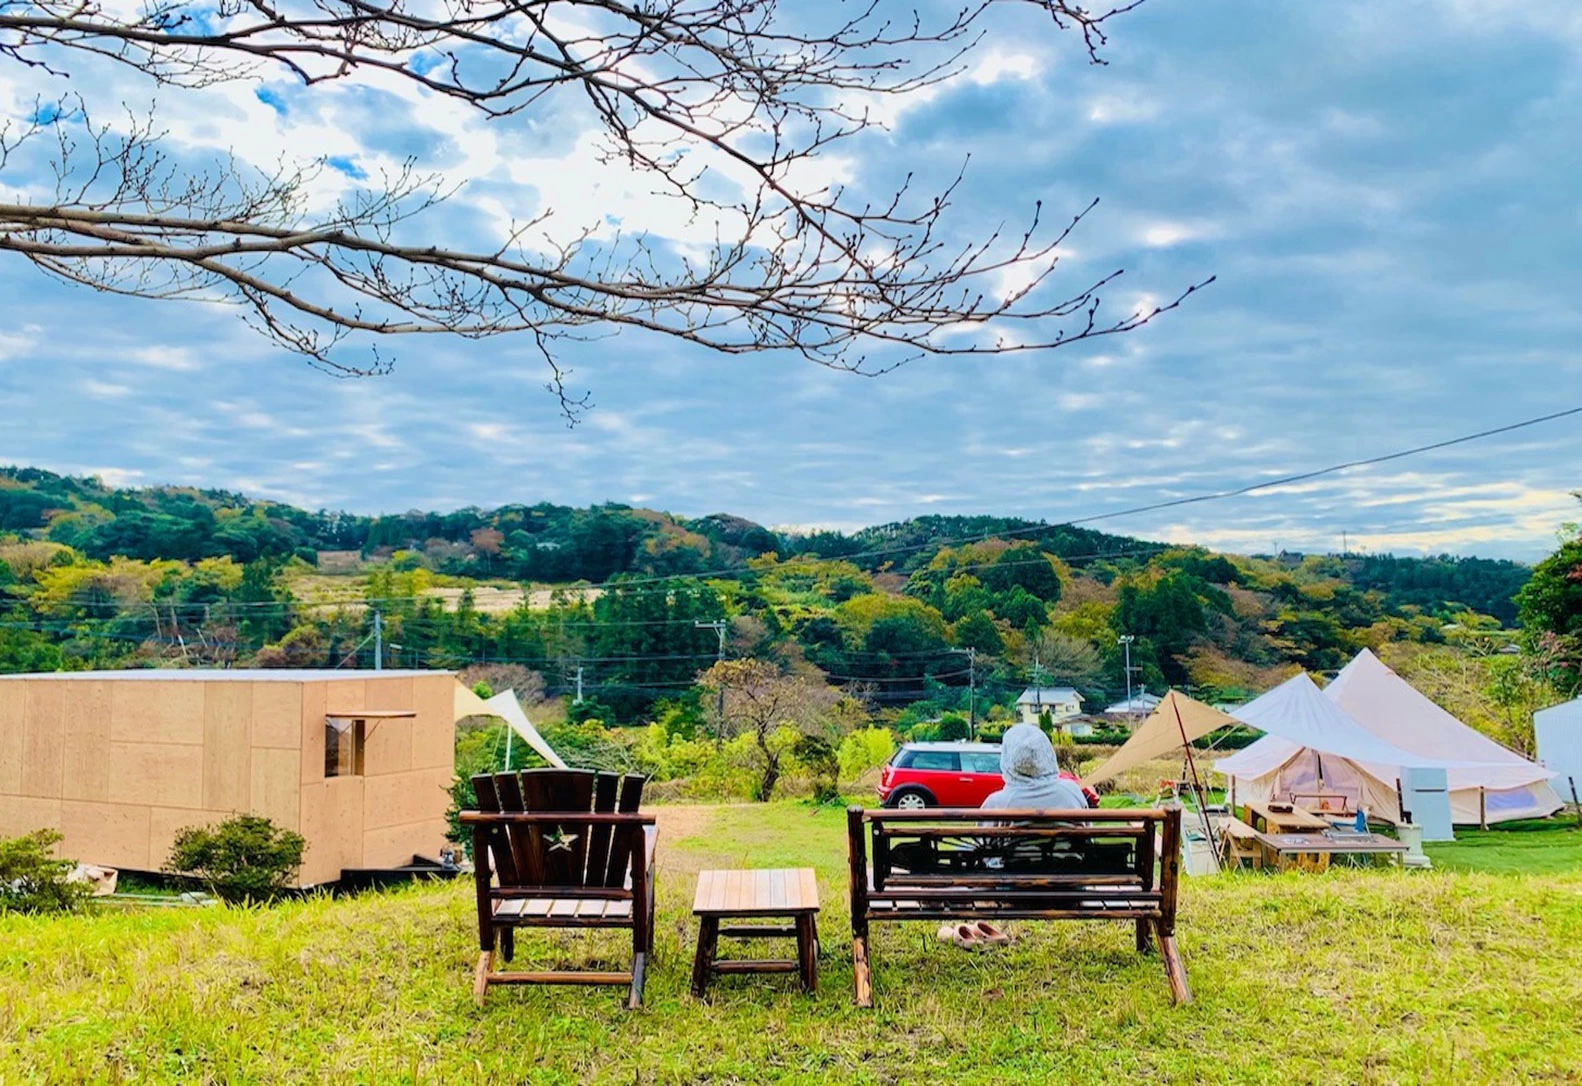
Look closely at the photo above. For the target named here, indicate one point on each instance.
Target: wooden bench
(561, 848)
(1239, 841)
(945, 864)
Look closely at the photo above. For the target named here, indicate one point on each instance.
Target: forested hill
(559, 544)
(97, 576)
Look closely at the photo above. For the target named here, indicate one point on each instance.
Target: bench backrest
(584, 832)
(916, 851)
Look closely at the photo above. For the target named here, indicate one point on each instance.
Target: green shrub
(243, 859)
(953, 727)
(32, 880)
(816, 755)
(864, 749)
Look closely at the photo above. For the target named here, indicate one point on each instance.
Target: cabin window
(343, 746)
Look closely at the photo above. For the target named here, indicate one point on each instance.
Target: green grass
(1351, 977)
(1549, 847)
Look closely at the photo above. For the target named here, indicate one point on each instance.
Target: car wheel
(911, 799)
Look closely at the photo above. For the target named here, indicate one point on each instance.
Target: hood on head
(1026, 754)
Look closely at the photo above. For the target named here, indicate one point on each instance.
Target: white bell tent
(1499, 786)
(1310, 747)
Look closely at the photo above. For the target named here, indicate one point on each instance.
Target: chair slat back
(563, 848)
(569, 854)
(625, 840)
(498, 841)
(524, 842)
(604, 792)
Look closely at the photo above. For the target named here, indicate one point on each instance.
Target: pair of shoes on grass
(975, 936)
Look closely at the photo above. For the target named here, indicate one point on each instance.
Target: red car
(948, 775)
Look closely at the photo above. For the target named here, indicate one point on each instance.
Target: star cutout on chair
(560, 840)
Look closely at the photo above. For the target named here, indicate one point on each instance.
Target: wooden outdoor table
(791, 893)
(1311, 851)
(1296, 820)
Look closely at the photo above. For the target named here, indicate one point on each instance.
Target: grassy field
(1549, 847)
(1356, 976)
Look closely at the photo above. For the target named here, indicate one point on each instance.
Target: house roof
(224, 675)
(1034, 694)
(1140, 702)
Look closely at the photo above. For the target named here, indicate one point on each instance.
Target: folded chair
(561, 848)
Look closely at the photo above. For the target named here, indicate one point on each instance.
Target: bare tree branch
(682, 89)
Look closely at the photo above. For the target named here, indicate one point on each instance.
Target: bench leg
(807, 952)
(480, 976)
(859, 964)
(507, 943)
(1144, 936)
(1175, 971)
(703, 963)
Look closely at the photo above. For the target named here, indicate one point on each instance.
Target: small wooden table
(791, 893)
(1311, 851)
(1296, 820)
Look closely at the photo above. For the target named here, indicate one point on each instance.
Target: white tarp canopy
(1391, 708)
(1161, 733)
(505, 706)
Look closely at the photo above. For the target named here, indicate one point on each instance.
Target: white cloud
(117, 476)
(19, 343)
(1132, 108)
(165, 357)
(996, 65)
(1164, 234)
(103, 390)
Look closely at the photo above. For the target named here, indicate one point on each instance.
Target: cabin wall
(119, 767)
(396, 809)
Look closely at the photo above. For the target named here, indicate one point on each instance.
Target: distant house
(1061, 703)
(1141, 704)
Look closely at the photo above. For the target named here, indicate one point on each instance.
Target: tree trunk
(766, 786)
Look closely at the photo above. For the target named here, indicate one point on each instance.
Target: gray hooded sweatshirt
(1032, 776)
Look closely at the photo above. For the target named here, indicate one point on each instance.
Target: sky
(1386, 193)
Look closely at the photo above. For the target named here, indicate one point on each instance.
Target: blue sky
(1387, 193)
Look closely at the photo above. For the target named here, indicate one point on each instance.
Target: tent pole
(1197, 784)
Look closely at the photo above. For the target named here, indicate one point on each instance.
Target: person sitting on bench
(1032, 775)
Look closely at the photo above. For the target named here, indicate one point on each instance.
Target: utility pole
(579, 685)
(972, 689)
(1125, 641)
(379, 641)
(719, 626)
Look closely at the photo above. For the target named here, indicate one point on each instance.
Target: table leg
(807, 951)
(703, 964)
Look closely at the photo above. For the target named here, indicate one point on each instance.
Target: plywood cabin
(358, 762)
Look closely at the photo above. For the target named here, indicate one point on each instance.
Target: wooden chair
(561, 848)
(944, 864)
